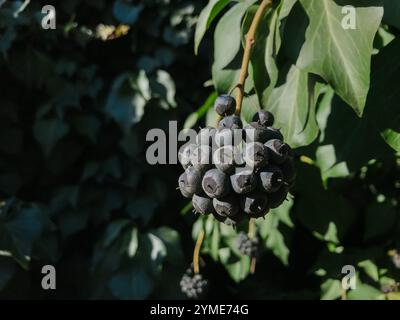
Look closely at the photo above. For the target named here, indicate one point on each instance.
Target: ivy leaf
(227, 59)
(365, 292)
(48, 132)
(7, 270)
(380, 220)
(124, 104)
(136, 283)
(273, 237)
(384, 96)
(341, 57)
(125, 12)
(19, 232)
(346, 150)
(206, 17)
(293, 105)
(331, 289)
(392, 13)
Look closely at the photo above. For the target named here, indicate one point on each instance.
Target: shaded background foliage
(77, 193)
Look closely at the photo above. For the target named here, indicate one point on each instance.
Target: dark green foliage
(76, 104)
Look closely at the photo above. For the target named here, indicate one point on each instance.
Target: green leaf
(365, 292)
(164, 87)
(384, 96)
(207, 16)
(215, 241)
(48, 132)
(268, 44)
(331, 289)
(380, 220)
(273, 237)
(124, 104)
(20, 231)
(126, 12)
(227, 59)
(7, 270)
(341, 57)
(239, 269)
(293, 105)
(113, 231)
(392, 13)
(348, 149)
(133, 284)
(133, 243)
(370, 269)
(325, 213)
(193, 118)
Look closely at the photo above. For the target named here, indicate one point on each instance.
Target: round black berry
(276, 198)
(190, 182)
(278, 150)
(185, 153)
(201, 158)
(255, 205)
(228, 137)
(264, 118)
(226, 207)
(270, 178)
(202, 204)
(231, 122)
(206, 136)
(288, 171)
(243, 181)
(255, 154)
(215, 183)
(224, 158)
(225, 105)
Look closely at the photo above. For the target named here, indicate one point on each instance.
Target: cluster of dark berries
(194, 286)
(236, 172)
(247, 246)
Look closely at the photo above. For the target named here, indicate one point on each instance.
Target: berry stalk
(196, 252)
(250, 41)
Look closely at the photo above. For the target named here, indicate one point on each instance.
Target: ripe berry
(202, 204)
(201, 158)
(215, 183)
(273, 133)
(255, 132)
(226, 207)
(228, 137)
(231, 122)
(264, 118)
(247, 246)
(288, 171)
(276, 198)
(225, 105)
(224, 158)
(194, 286)
(243, 181)
(278, 150)
(255, 205)
(270, 178)
(190, 182)
(255, 154)
(205, 136)
(185, 153)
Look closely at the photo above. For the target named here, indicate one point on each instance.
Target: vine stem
(196, 252)
(250, 41)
